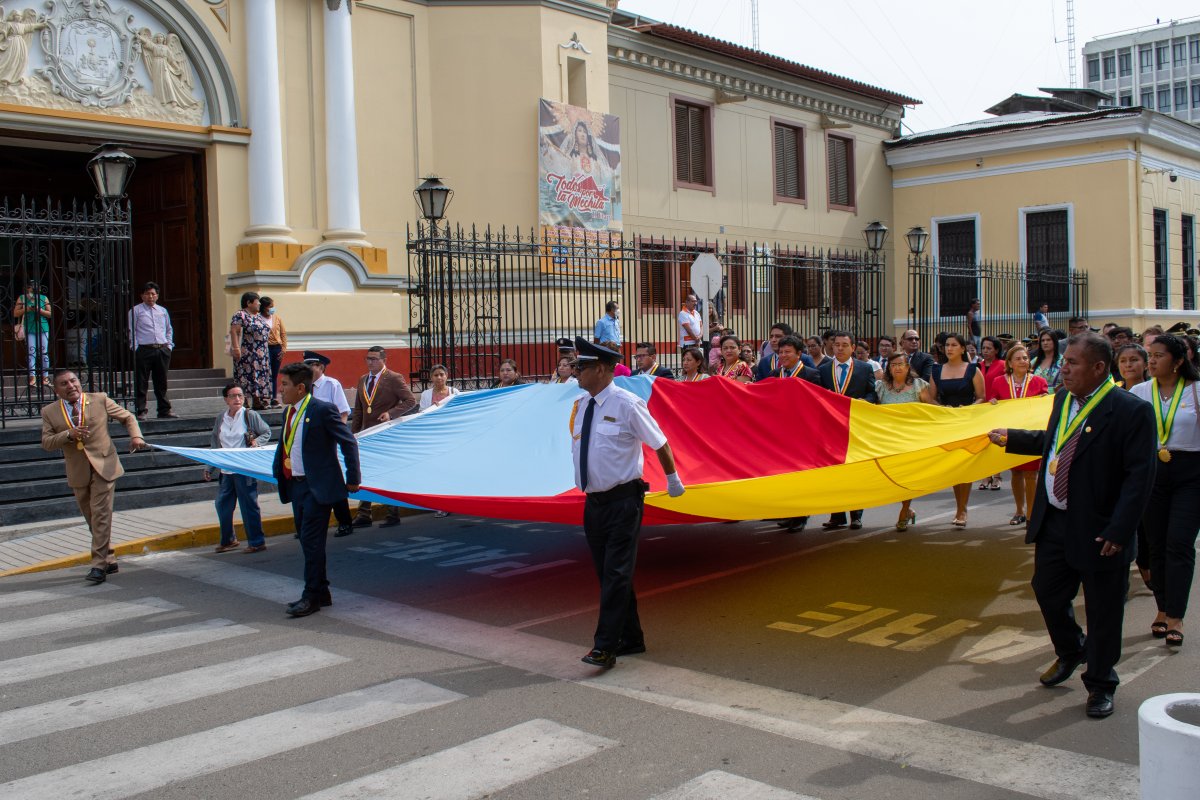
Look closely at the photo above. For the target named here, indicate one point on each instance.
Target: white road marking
(109, 651)
(134, 698)
(983, 758)
(477, 768)
(31, 596)
(154, 766)
(718, 785)
(1005, 642)
(1139, 663)
(83, 618)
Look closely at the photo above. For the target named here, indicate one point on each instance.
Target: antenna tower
(1071, 42)
(754, 24)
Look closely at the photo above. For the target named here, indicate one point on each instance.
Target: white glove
(674, 485)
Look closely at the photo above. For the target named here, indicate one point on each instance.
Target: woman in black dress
(958, 382)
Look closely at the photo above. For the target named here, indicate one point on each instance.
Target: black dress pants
(151, 362)
(1056, 583)
(1171, 520)
(611, 523)
(312, 522)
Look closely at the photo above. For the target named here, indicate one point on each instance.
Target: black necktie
(583, 443)
(370, 384)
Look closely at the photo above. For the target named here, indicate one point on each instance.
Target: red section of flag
(798, 426)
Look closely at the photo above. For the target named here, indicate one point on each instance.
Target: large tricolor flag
(778, 448)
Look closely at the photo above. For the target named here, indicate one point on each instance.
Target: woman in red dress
(1019, 382)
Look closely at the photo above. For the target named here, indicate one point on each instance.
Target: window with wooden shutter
(797, 282)
(839, 152)
(655, 269)
(789, 161)
(736, 267)
(693, 145)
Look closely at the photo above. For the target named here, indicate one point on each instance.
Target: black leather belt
(621, 491)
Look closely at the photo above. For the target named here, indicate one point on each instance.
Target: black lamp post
(917, 237)
(876, 234)
(919, 280)
(433, 197)
(110, 169)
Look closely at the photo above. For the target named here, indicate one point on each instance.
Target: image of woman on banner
(580, 163)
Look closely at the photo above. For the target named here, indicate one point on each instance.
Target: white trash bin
(1169, 740)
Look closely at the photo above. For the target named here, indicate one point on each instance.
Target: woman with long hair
(732, 366)
(1018, 382)
(564, 372)
(439, 391)
(957, 382)
(901, 385)
(1132, 362)
(276, 343)
(1172, 517)
(1046, 360)
(693, 365)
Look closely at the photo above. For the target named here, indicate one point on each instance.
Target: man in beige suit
(77, 424)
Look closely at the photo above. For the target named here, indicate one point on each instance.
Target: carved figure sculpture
(168, 68)
(15, 33)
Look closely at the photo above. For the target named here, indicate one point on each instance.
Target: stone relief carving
(15, 33)
(90, 54)
(168, 68)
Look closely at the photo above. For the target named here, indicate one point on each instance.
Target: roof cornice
(665, 57)
(1147, 126)
(580, 8)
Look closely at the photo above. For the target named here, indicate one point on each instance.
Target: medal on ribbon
(289, 432)
(785, 373)
(1065, 430)
(73, 424)
(1012, 387)
(375, 389)
(841, 386)
(1165, 425)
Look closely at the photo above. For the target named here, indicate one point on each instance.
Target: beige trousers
(96, 504)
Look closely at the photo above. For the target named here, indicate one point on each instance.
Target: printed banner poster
(579, 168)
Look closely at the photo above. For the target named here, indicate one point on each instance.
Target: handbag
(19, 331)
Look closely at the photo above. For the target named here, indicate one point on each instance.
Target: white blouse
(427, 398)
(1185, 433)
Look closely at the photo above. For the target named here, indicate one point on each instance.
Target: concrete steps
(33, 484)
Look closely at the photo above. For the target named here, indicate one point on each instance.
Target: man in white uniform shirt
(608, 427)
(328, 389)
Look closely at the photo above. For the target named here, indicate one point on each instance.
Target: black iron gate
(482, 295)
(64, 295)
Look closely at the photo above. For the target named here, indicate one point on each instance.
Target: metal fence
(482, 295)
(74, 264)
(939, 296)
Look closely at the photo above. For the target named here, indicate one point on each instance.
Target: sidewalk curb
(182, 539)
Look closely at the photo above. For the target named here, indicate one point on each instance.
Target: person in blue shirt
(608, 327)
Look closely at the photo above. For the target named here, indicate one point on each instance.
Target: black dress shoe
(1060, 670)
(303, 608)
(1099, 703)
(362, 522)
(325, 602)
(631, 649)
(95, 575)
(390, 522)
(600, 658)
(344, 530)
(855, 524)
(112, 569)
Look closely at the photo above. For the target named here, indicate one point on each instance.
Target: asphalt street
(847, 664)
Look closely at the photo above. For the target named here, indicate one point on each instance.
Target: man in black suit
(768, 365)
(1097, 471)
(846, 375)
(647, 362)
(920, 362)
(309, 476)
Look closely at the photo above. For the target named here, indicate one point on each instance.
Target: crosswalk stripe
(156, 765)
(477, 768)
(134, 698)
(718, 785)
(31, 596)
(109, 651)
(984, 758)
(83, 618)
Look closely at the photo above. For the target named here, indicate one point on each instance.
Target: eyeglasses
(912, 338)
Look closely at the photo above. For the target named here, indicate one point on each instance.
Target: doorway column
(268, 204)
(341, 131)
